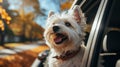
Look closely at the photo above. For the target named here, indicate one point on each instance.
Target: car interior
(110, 48)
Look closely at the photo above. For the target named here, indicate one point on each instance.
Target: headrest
(111, 42)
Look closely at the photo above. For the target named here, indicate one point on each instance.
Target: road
(20, 54)
(18, 47)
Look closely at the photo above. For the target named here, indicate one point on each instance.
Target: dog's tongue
(58, 39)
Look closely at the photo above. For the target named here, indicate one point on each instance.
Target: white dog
(64, 35)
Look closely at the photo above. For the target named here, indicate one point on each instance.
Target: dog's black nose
(56, 28)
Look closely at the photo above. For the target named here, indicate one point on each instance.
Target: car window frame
(96, 34)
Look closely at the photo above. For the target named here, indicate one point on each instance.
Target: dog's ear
(50, 13)
(79, 16)
(76, 13)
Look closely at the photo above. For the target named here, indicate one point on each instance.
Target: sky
(46, 6)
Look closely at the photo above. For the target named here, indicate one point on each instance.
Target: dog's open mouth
(60, 38)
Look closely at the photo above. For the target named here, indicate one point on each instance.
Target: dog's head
(64, 30)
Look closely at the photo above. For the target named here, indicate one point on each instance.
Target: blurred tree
(31, 6)
(22, 23)
(4, 20)
(66, 5)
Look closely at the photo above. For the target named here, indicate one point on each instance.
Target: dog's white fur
(75, 34)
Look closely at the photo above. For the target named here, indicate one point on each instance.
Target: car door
(105, 18)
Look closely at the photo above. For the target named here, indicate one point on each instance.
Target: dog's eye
(67, 24)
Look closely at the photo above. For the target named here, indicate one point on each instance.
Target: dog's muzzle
(59, 37)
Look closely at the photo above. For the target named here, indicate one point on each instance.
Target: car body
(103, 19)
